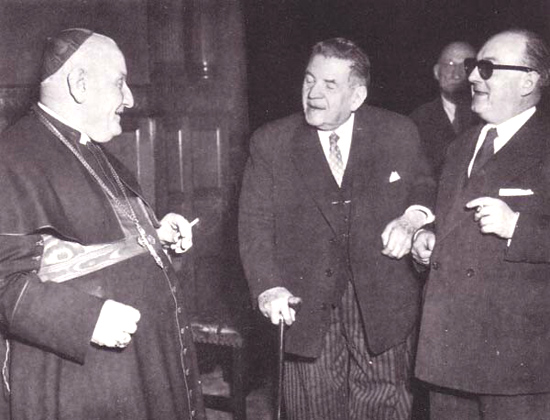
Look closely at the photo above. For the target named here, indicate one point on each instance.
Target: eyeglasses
(486, 67)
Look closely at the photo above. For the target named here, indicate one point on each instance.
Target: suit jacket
(486, 320)
(437, 132)
(290, 214)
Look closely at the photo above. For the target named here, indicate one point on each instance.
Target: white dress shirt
(505, 130)
(345, 134)
(449, 108)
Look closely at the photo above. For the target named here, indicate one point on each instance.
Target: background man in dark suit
(319, 190)
(441, 120)
(485, 329)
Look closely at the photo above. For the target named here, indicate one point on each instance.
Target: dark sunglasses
(486, 67)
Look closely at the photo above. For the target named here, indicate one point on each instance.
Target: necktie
(457, 123)
(486, 150)
(335, 159)
(461, 116)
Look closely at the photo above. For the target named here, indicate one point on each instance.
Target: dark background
(403, 39)
(25, 24)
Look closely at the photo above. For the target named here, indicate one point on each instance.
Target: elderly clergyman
(89, 300)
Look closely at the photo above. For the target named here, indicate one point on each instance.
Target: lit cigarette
(194, 222)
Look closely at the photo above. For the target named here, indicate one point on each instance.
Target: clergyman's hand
(115, 325)
(176, 231)
(423, 245)
(398, 234)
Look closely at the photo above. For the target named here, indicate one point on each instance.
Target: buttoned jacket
(291, 224)
(486, 316)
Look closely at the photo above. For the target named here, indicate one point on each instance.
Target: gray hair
(345, 49)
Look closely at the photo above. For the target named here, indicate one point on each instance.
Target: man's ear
(76, 81)
(359, 95)
(529, 82)
(436, 72)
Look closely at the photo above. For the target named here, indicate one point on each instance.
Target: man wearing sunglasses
(442, 119)
(485, 331)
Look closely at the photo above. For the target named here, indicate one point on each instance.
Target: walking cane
(293, 303)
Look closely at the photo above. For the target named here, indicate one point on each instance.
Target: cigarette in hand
(182, 244)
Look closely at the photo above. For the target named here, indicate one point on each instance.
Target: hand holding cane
(293, 303)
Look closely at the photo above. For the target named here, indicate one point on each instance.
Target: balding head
(454, 49)
(515, 86)
(449, 69)
(89, 90)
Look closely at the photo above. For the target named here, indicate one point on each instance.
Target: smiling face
(107, 94)
(507, 92)
(329, 94)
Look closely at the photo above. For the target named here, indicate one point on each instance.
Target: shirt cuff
(429, 215)
(418, 233)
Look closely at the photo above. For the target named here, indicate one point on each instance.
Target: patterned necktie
(486, 151)
(335, 159)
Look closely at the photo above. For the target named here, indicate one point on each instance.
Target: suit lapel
(310, 162)
(452, 183)
(440, 115)
(361, 158)
(521, 152)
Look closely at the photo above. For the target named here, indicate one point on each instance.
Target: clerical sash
(65, 260)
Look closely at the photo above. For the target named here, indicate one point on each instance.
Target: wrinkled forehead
(329, 66)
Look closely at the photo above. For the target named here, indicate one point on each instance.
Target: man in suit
(88, 298)
(327, 197)
(485, 336)
(441, 120)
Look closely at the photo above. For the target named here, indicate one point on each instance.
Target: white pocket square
(514, 192)
(394, 176)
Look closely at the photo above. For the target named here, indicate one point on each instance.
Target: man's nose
(315, 91)
(474, 76)
(127, 98)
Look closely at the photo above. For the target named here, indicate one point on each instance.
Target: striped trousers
(346, 382)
